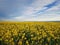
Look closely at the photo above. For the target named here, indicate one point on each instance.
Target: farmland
(29, 33)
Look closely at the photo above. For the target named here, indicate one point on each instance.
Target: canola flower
(30, 33)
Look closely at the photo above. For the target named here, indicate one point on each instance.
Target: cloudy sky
(30, 10)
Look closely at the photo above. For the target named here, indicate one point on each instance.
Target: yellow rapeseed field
(29, 33)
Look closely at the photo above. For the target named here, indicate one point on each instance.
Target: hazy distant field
(29, 33)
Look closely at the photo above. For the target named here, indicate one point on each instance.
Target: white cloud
(46, 17)
(36, 6)
(28, 14)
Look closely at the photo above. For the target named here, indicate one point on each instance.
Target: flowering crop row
(30, 33)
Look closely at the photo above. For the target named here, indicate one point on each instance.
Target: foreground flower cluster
(30, 33)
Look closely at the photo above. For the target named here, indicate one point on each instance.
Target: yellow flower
(27, 42)
(56, 43)
(22, 36)
(0, 38)
(32, 35)
(25, 38)
(48, 39)
(6, 40)
(20, 42)
(46, 44)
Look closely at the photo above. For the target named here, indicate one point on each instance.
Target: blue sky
(30, 10)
